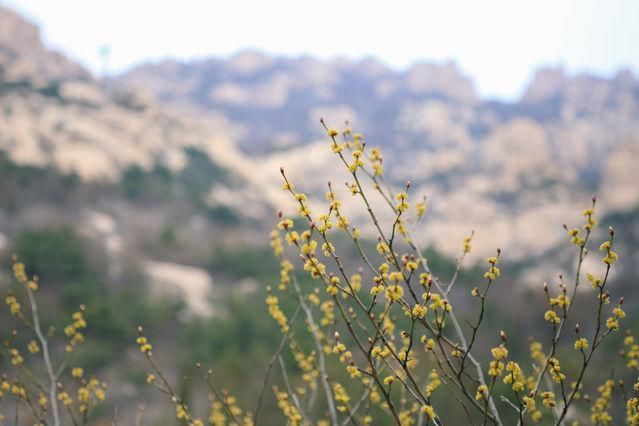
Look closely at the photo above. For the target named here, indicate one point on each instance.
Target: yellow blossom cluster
(16, 358)
(552, 317)
(290, 411)
(496, 367)
(276, 312)
(341, 396)
(631, 353)
(276, 243)
(561, 301)
(554, 368)
(143, 343)
(328, 309)
(33, 347)
(611, 256)
(595, 281)
(402, 198)
(493, 271)
(576, 238)
(13, 304)
(612, 323)
(468, 244)
(632, 411)
(548, 399)
(375, 156)
(515, 376)
(482, 393)
(421, 207)
(90, 393)
(434, 382)
(599, 410)
(581, 344)
(72, 330)
(429, 412)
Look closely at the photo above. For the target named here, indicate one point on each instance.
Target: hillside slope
(511, 171)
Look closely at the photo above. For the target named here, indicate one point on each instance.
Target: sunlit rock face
(193, 285)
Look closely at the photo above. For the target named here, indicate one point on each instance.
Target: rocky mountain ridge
(511, 171)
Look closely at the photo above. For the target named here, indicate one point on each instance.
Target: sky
(498, 43)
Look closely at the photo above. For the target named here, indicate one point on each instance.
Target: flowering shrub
(397, 339)
(65, 394)
(386, 343)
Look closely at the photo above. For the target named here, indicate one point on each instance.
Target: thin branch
(53, 390)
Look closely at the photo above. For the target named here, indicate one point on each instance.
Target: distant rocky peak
(249, 62)
(444, 80)
(546, 84)
(555, 84)
(17, 35)
(25, 59)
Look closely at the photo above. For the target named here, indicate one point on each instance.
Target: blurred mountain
(112, 166)
(512, 171)
(278, 100)
(23, 57)
(55, 113)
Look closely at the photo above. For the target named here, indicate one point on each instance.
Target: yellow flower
(340, 393)
(287, 186)
(353, 371)
(339, 348)
(377, 290)
(551, 316)
(285, 224)
(394, 292)
(468, 245)
(421, 208)
(16, 358)
(548, 399)
(425, 279)
(43, 402)
(429, 412)
(65, 398)
(482, 392)
(529, 402)
(100, 394)
(610, 258)
(495, 369)
(419, 311)
(594, 280)
(612, 324)
(13, 304)
(144, 345)
(33, 284)
(33, 347)
(499, 352)
(618, 312)
(581, 344)
(403, 205)
(555, 370)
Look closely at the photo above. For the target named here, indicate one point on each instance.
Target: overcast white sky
(498, 43)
